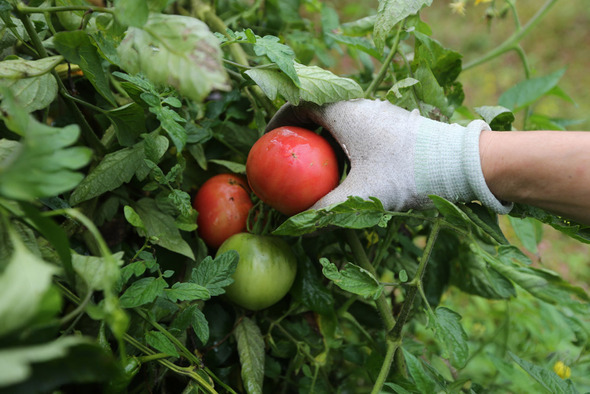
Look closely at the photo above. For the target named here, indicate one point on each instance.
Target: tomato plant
(290, 168)
(115, 113)
(223, 203)
(265, 272)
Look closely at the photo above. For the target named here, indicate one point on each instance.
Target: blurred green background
(562, 39)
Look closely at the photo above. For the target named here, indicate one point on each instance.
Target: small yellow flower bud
(562, 370)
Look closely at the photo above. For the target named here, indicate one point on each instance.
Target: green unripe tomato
(265, 272)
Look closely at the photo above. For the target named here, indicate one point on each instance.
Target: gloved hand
(398, 156)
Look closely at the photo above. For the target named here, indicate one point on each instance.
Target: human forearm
(547, 169)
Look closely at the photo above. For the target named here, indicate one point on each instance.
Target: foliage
(113, 116)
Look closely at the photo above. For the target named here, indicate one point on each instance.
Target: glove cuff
(447, 163)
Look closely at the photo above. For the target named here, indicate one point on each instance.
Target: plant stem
(383, 71)
(392, 346)
(513, 40)
(361, 258)
(35, 10)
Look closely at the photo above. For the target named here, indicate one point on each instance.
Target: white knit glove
(398, 156)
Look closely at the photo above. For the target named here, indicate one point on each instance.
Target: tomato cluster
(289, 168)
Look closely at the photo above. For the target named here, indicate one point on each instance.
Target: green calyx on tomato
(291, 168)
(223, 203)
(265, 272)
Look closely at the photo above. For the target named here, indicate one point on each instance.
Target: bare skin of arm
(546, 169)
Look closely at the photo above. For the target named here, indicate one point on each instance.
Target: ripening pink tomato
(223, 203)
(290, 168)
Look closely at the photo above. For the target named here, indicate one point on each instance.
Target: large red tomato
(223, 203)
(290, 168)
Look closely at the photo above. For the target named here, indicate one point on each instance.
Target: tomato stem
(372, 88)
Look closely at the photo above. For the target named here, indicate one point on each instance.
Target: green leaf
(129, 122)
(471, 272)
(548, 379)
(430, 91)
(21, 68)
(542, 283)
(529, 231)
(71, 20)
(170, 122)
(485, 220)
(424, 382)
(360, 43)
(132, 12)
(193, 317)
(132, 217)
(97, 272)
(317, 85)
(237, 168)
(161, 226)
(352, 278)
(444, 63)
(143, 291)
(187, 292)
(33, 93)
(215, 274)
(77, 48)
(498, 117)
(115, 169)
(161, 343)
(16, 363)
(23, 284)
(354, 213)
(309, 288)
(394, 92)
(251, 352)
(451, 212)
(41, 165)
(450, 335)
(278, 53)
(178, 51)
(391, 12)
(528, 91)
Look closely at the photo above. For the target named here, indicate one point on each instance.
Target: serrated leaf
(170, 122)
(352, 278)
(193, 317)
(450, 211)
(529, 90)
(389, 13)
(23, 283)
(444, 63)
(187, 292)
(142, 291)
(424, 382)
(160, 342)
(40, 166)
(451, 335)
(402, 84)
(280, 54)
(529, 231)
(215, 274)
(251, 352)
(354, 213)
(471, 273)
(317, 85)
(161, 226)
(178, 51)
(548, 379)
(542, 283)
(322, 86)
(77, 48)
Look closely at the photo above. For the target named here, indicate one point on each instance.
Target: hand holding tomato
(398, 156)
